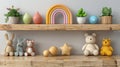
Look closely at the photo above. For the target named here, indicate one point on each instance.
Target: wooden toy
(37, 19)
(9, 48)
(52, 12)
(30, 51)
(90, 47)
(46, 53)
(53, 50)
(19, 48)
(66, 50)
(106, 49)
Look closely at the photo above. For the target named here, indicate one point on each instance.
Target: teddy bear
(30, 51)
(90, 47)
(106, 49)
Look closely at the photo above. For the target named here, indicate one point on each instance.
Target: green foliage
(12, 12)
(81, 13)
(106, 11)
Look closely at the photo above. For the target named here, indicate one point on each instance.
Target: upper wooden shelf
(60, 27)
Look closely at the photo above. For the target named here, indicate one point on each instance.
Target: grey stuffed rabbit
(19, 47)
(9, 48)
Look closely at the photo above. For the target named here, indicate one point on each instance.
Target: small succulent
(106, 11)
(12, 12)
(81, 13)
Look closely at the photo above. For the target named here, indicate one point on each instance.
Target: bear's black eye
(90, 38)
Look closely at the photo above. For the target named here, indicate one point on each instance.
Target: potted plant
(106, 17)
(81, 16)
(13, 16)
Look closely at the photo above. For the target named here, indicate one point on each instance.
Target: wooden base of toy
(106, 19)
(60, 61)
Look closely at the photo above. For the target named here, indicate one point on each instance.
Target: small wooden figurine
(30, 51)
(46, 53)
(53, 50)
(9, 48)
(19, 48)
(106, 49)
(66, 50)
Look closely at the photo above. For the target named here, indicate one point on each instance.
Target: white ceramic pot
(13, 20)
(81, 20)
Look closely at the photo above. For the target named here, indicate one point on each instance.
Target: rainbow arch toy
(54, 10)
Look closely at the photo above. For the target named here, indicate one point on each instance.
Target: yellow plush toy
(106, 49)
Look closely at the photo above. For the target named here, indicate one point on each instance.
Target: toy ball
(45, 53)
(93, 19)
(53, 50)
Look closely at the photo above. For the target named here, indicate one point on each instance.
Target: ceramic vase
(81, 20)
(27, 18)
(37, 19)
(13, 20)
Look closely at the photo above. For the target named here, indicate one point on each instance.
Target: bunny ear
(12, 36)
(6, 36)
(93, 34)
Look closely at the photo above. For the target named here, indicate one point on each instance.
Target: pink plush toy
(30, 48)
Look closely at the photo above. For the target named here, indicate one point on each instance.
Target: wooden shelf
(60, 27)
(61, 61)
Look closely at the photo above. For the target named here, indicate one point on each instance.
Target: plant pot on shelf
(106, 19)
(81, 20)
(13, 20)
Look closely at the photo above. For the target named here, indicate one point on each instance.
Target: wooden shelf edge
(59, 26)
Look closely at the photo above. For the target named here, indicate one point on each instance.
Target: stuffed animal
(30, 51)
(66, 49)
(90, 47)
(19, 48)
(106, 49)
(9, 48)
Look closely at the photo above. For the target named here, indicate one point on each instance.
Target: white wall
(45, 39)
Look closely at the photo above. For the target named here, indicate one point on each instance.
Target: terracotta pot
(81, 20)
(37, 19)
(13, 20)
(106, 19)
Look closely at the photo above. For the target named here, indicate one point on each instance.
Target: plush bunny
(19, 48)
(90, 48)
(9, 48)
(30, 48)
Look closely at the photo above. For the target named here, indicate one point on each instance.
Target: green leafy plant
(106, 11)
(81, 13)
(12, 12)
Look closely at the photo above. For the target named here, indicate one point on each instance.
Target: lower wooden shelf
(59, 26)
(60, 61)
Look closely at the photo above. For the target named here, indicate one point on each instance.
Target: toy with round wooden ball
(52, 51)
(106, 49)
(90, 47)
(19, 47)
(9, 50)
(93, 20)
